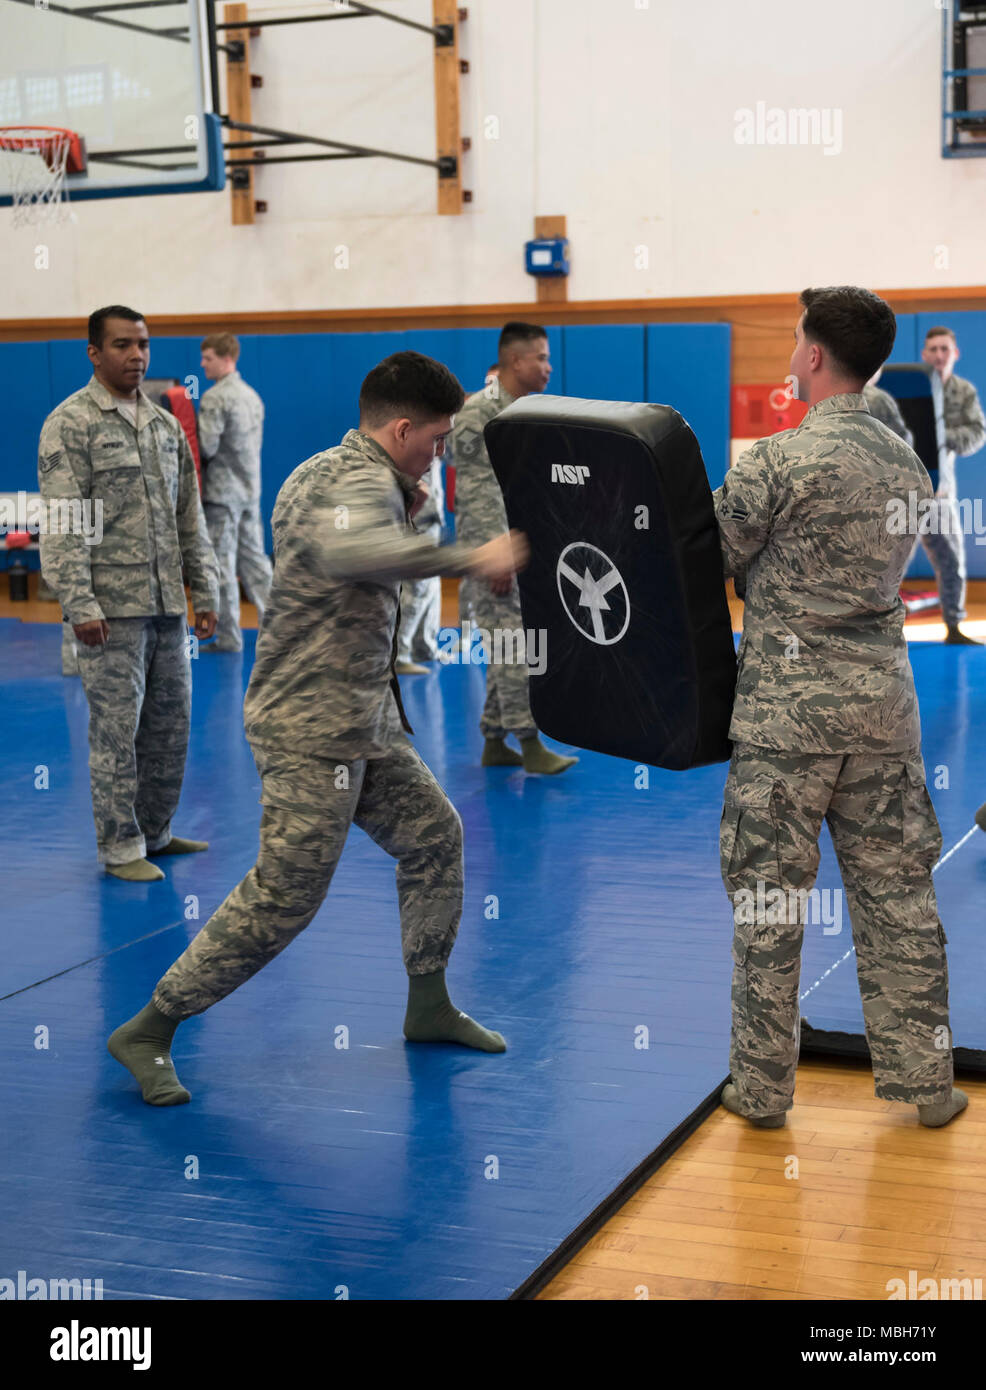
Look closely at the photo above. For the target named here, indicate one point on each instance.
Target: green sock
(143, 1046)
(497, 754)
(432, 1017)
(537, 758)
(934, 1116)
(136, 871)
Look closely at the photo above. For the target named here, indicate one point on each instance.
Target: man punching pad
(625, 577)
(917, 389)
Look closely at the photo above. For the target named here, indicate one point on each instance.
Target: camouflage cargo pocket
(748, 840)
(921, 840)
(311, 789)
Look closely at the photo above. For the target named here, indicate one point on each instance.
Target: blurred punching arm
(353, 533)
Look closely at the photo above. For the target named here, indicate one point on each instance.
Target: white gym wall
(618, 113)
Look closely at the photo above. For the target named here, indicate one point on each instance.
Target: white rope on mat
(967, 836)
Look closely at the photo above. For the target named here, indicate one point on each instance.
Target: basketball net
(34, 169)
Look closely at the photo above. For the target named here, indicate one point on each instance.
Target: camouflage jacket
(884, 408)
(965, 427)
(479, 511)
(323, 682)
(231, 423)
(813, 515)
(142, 489)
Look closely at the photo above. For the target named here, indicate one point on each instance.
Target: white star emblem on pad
(592, 593)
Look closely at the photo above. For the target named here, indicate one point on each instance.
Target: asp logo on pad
(569, 473)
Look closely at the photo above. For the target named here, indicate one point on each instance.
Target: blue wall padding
(605, 362)
(906, 348)
(27, 396)
(688, 367)
(68, 370)
(465, 351)
(310, 382)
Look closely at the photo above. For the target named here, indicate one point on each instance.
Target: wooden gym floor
(850, 1194)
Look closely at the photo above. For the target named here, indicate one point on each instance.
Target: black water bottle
(17, 579)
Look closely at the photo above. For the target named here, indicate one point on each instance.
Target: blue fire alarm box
(547, 257)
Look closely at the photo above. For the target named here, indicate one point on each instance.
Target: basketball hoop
(34, 161)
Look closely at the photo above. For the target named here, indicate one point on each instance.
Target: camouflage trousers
(309, 806)
(140, 696)
(508, 708)
(237, 537)
(946, 550)
(886, 839)
(421, 614)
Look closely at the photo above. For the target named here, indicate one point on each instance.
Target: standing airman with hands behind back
(109, 448)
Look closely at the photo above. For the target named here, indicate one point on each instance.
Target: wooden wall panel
(448, 128)
(551, 289)
(763, 325)
(238, 108)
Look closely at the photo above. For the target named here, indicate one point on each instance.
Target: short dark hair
(97, 321)
(408, 385)
(854, 325)
(517, 332)
(937, 333)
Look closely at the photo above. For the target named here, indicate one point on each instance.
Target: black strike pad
(625, 577)
(917, 389)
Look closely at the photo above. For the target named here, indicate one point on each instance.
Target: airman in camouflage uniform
(965, 433)
(884, 408)
(825, 726)
(230, 428)
(421, 599)
(324, 719)
(479, 516)
(126, 592)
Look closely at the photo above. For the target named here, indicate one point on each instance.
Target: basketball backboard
(133, 79)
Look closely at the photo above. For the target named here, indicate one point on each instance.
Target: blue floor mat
(595, 936)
